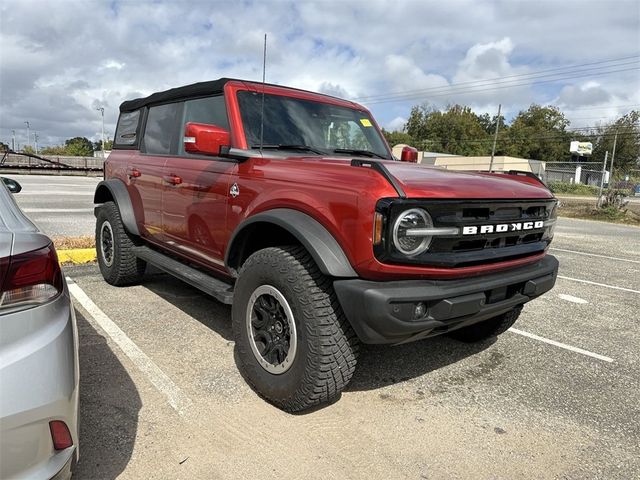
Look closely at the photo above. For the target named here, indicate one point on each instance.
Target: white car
(38, 352)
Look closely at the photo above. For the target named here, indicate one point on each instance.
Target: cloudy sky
(60, 60)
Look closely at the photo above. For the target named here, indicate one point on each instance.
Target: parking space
(162, 396)
(59, 205)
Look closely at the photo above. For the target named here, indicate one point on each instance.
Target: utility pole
(101, 110)
(13, 140)
(604, 168)
(613, 157)
(35, 138)
(28, 134)
(495, 138)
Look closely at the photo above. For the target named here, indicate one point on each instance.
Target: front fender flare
(322, 246)
(117, 190)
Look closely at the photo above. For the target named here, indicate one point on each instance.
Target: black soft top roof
(200, 89)
(188, 91)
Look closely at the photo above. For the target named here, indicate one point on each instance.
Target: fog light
(419, 311)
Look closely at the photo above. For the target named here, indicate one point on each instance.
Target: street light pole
(495, 139)
(35, 139)
(13, 140)
(613, 157)
(28, 134)
(101, 109)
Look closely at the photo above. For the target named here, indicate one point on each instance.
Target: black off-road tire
(327, 346)
(124, 268)
(493, 327)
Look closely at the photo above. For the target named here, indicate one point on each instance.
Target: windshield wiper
(355, 151)
(283, 146)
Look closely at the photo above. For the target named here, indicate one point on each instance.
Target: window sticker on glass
(365, 122)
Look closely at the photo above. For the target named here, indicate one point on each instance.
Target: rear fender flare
(116, 190)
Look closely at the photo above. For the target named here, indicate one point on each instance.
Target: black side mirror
(12, 185)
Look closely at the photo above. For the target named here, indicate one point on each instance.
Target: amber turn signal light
(377, 228)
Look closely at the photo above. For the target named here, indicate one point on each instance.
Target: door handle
(133, 173)
(172, 179)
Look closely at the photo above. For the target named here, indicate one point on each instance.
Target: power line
(603, 107)
(467, 91)
(521, 140)
(559, 71)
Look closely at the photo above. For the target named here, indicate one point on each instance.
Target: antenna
(264, 71)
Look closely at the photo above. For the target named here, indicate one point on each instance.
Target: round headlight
(411, 244)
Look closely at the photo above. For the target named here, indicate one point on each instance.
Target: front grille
(467, 250)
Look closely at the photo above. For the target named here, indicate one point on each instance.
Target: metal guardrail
(20, 162)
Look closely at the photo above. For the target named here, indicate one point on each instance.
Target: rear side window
(160, 130)
(127, 129)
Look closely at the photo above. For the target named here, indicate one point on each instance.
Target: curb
(77, 255)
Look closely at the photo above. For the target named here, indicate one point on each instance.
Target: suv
(290, 206)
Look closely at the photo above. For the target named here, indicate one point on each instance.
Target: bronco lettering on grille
(502, 227)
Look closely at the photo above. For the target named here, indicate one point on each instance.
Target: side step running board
(221, 291)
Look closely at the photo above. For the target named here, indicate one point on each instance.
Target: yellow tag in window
(365, 122)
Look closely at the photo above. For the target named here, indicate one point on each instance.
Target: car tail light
(31, 279)
(60, 435)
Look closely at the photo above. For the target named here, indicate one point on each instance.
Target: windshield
(292, 123)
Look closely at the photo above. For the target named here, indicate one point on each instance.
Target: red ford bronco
(290, 206)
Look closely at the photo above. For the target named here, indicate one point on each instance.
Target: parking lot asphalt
(60, 205)
(161, 396)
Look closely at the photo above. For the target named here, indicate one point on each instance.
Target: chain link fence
(586, 173)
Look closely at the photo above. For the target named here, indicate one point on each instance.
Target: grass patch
(69, 243)
(587, 211)
(573, 188)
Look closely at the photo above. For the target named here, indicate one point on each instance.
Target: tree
(108, 145)
(627, 145)
(56, 150)
(488, 123)
(79, 147)
(539, 133)
(394, 138)
(458, 130)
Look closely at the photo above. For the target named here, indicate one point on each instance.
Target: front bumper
(383, 312)
(39, 383)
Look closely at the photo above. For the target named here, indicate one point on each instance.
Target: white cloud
(404, 74)
(589, 93)
(61, 59)
(113, 64)
(396, 125)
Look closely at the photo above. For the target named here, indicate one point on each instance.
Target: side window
(159, 133)
(126, 131)
(210, 110)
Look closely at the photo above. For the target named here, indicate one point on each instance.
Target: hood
(417, 181)
(420, 181)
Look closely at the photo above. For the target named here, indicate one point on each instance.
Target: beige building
(482, 164)
(500, 163)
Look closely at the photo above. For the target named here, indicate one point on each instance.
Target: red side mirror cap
(204, 138)
(409, 154)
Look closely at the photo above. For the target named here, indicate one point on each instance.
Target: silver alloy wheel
(106, 243)
(271, 329)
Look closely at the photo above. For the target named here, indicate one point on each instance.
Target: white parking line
(599, 284)
(561, 345)
(594, 255)
(572, 299)
(178, 400)
(57, 210)
(62, 192)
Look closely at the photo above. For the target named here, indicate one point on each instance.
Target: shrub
(573, 188)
